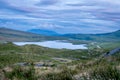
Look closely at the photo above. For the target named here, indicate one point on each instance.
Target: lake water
(54, 44)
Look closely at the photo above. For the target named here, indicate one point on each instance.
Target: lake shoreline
(54, 44)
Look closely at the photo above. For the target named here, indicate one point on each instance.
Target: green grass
(10, 54)
(83, 65)
(21, 74)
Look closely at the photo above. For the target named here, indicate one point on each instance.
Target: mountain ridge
(43, 32)
(16, 35)
(112, 36)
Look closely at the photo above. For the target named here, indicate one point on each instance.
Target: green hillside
(18, 36)
(15, 35)
(32, 62)
(107, 37)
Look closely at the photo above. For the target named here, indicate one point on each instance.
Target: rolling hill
(110, 37)
(105, 37)
(15, 36)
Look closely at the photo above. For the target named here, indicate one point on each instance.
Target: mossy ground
(81, 65)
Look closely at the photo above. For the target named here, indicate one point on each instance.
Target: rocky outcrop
(114, 51)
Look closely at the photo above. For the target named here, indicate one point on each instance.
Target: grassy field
(32, 62)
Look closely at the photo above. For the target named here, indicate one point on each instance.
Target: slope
(15, 35)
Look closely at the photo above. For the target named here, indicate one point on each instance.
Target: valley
(59, 39)
(29, 56)
(81, 64)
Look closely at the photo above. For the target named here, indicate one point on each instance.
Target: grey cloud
(47, 2)
(5, 5)
(65, 16)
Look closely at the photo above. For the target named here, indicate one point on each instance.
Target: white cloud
(64, 15)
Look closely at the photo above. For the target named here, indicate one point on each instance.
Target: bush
(64, 74)
(21, 74)
(105, 73)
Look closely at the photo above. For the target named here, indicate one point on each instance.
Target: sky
(62, 16)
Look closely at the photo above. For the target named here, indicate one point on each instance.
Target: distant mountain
(43, 32)
(113, 36)
(42, 35)
(15, 35)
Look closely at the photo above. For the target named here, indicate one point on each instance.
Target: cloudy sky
(62, 16)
